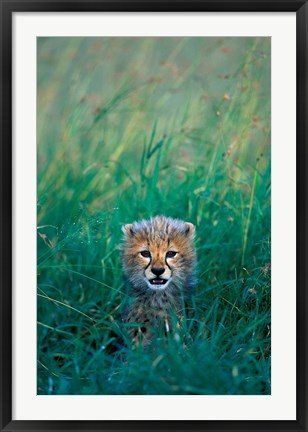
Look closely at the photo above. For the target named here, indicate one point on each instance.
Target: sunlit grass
(127, 129)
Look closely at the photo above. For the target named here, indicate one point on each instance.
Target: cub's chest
(152, 313)
(150, 308)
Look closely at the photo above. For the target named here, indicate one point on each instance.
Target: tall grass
(129, 128)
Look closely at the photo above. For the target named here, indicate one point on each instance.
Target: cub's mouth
(158, 281)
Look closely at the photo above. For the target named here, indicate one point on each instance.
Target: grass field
(128, 129)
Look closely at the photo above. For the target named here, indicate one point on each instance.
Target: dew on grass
(235, 371)
(50, 385)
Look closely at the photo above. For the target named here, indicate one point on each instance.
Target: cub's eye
(170, 254)
(145, 254)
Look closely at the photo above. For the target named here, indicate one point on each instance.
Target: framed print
(153, 244)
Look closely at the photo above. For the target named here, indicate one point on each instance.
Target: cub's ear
(190, 229)
(128, 230)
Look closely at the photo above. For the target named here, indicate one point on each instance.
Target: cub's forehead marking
(159, 243)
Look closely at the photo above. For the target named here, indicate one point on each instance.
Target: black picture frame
(7, 8)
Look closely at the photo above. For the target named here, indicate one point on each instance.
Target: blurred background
(128, 128)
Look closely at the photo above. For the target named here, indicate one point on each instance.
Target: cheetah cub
(159, 265)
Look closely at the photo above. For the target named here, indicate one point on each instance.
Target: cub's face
(158, 253)
(158, 262)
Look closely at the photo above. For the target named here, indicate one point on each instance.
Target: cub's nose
(158, 271)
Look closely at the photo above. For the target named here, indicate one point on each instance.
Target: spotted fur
(152, 305)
